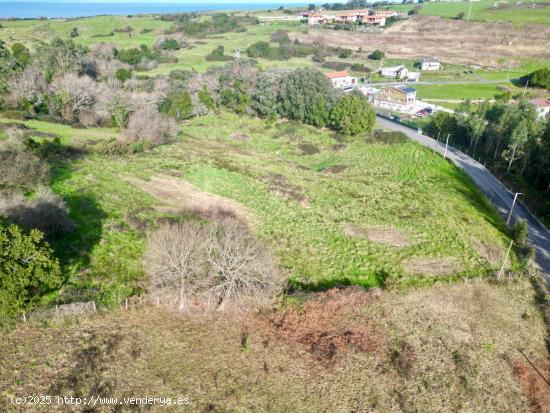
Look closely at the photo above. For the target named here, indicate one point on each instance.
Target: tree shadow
(377, 280)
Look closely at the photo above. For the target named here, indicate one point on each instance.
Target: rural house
(341, 79)
(400, 94)
(397, 72)
(430, 63)
(313, 18)
(542, 106)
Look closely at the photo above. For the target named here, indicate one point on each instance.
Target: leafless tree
(148, 125)
(219, 264)
(29, 85)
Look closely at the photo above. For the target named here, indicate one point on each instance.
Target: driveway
(538, 236)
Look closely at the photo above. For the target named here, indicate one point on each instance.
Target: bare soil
(183, 197)
(452, 41)
(381, 235)
(433, 266)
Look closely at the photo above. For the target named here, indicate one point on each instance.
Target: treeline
(509, 138)
(353, 4)
(193, 24)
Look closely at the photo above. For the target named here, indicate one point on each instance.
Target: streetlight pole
(512, 209)
(505, 259)
(446, 146)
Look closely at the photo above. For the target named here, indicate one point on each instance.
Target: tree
(352, 115)
(540, 78)
(181, 106)
(265, 97)
(21, 54)
(28, 270)
(306, 95)
(377, 55)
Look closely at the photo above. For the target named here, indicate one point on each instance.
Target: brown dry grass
(442, 349)
(452, 41)
(535, 386)
(387, 236)
(181, 196)
(433, 266)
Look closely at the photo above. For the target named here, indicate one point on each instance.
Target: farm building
(430, 63)
(397, 72)
(341, 79)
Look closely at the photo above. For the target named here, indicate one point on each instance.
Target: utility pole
(470, 11)
(446, 146)
(512, 209)
(509, 67)
(505, 259)
(525, 88)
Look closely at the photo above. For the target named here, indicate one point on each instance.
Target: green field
(518, 13)
(463, 91)
(302, 205)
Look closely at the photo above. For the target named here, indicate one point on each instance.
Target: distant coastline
(35, 10)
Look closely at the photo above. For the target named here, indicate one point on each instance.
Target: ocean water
(78, 9)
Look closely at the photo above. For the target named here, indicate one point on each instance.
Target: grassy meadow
(314, 196)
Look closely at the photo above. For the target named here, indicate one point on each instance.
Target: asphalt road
(538, 236)
(436, 82)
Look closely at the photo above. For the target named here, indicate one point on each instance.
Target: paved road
(538, 236)
(436, 82)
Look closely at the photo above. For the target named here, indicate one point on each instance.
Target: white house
(542, 106)
(341, 79)
(430, 63)
(398, 72)
(370, 92)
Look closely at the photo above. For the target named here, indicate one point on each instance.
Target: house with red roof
(341, 79)
(542, 106)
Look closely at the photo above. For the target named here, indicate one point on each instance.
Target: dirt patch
(433, 266)
(240, 137)
(308, 149)
(452, 41)
(183, 197)
(279, 185)
(327, 325)
(379, 235)
(535, 386)
(335, 169)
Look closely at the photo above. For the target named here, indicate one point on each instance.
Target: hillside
(443, 349)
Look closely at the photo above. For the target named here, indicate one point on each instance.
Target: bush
(218, 54)
(377, 55)
(179, 106)
(46, 212)
(219, 263)
(519, 231)
(352, 115)
(28, 270)
(148, 125)
(540, 78)
(22, 170)
(123, 74)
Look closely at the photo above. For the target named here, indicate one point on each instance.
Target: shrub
(149, 125)
(218, 54)
(377, 55)
(21, 170)
(219, 263)
(519, 231)
(123, 74)
(46, 212)
(206, 98)
(352, 115)
(28, 270)
(540, 78)
(179, 106)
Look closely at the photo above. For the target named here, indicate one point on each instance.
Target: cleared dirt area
(380, 235)
(181, 197)
(433, 266)
(442, 349)
(452, 41)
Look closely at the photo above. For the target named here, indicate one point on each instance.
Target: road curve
(538, 236)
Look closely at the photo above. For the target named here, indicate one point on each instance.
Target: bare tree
(219, 264)
(149, 125)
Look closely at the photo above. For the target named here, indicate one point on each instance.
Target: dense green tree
(540, 78)
(306, 95)
(377, 55)
(266, 94)
(27, 271)
(352, 115)
(123, 74)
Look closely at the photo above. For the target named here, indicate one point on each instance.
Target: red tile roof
(335, 75)
(540, 102)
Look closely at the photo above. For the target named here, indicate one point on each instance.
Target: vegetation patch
(433, 266)
(387, 236)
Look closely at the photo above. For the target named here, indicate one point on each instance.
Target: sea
(32, 10)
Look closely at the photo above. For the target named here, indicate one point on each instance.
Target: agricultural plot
(369, 212)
